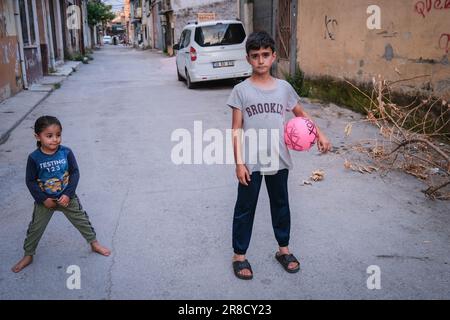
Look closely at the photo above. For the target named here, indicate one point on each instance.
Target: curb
(74, 66)
(4, 137)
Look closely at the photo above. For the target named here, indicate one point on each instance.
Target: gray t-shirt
(263, 112)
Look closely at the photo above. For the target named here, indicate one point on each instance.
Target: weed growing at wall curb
(357, 97)
(297, 81)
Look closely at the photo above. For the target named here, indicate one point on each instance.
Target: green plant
(98, 12)
(78, 57)
(339, 92)
(297, 80)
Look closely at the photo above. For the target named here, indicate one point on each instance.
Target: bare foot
(285, 250)
(25, 261)
(97, 247)
(243, 272)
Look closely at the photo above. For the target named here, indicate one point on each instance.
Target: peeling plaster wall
(224, 10)
(183, 4)
(33, 63)
(414, 40)
(10, 71)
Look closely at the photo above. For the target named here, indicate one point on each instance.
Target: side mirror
(176, 47)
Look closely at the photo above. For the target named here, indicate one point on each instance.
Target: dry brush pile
(414, 138)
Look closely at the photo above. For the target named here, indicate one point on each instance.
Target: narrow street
(169, 226)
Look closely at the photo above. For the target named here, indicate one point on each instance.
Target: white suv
(212, 50)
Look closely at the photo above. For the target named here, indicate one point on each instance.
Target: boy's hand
(49, 203)
(242, 174)
(323, 144)
(64, 200)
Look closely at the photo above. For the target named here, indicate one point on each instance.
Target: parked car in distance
(107, 40)
(212, 50)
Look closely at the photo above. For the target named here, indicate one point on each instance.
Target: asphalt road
(169, 226)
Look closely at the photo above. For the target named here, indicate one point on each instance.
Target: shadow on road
(215, 84)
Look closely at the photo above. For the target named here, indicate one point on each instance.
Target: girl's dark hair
(44, 122)
(259, 40)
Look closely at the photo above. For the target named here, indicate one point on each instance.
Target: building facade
(36, 37)
(158, 24)
(359, 39)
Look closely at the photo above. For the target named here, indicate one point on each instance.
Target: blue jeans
(244, 210)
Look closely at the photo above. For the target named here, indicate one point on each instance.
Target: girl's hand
(64, 200)
(49, 203)
(323, 144)
(242, 174)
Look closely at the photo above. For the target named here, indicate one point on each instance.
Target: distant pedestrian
(260, 103)
(52, 177)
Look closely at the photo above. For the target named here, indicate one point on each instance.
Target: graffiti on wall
(32, 63)
(10, 71)
(8, 50)
(444, 42)
(330, 28)
(424, 7)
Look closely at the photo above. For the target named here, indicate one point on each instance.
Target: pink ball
(300, 134)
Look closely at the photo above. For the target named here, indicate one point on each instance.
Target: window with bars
(284, 28)
(27, 22)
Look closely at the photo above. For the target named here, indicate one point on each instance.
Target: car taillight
(193, 53)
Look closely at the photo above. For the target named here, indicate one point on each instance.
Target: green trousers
(42, 215)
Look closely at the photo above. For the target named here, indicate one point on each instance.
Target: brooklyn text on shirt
(260, 108)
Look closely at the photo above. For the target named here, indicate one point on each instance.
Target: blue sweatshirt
(50, 176)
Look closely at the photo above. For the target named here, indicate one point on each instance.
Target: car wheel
(189, 84)
(180, 78)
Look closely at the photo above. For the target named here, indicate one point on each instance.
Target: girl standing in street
(52, 177)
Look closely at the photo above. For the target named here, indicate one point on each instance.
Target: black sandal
(285, 259)
(238, 266)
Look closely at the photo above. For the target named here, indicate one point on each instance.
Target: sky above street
(116, 4)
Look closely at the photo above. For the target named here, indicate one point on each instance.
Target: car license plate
(221, 64)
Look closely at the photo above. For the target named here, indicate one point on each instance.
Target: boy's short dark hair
(259, 40)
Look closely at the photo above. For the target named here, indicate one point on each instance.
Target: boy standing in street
(259, 103)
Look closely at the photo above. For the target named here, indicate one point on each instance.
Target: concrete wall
(263, 16)
(72, 36)
(10, 70)
(414, 40)
(86, 32)
(183, 4)
(224, 10)
(246, 14)
(147, 24)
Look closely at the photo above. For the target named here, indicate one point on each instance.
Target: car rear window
(220, 34)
